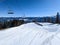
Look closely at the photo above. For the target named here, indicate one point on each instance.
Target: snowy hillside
(31, 34)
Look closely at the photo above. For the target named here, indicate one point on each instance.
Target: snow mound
(31, 34)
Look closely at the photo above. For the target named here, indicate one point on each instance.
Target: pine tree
(48, 20)
(44, 19)
(57, 17)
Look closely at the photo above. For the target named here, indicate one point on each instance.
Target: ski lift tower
(23, 16)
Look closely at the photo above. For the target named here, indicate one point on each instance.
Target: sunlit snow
(31, 34)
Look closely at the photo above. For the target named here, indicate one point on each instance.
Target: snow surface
(31, 34)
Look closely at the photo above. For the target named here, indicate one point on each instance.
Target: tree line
(11, 23)
(54, 20)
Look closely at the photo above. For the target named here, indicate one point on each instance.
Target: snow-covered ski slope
(31, 34)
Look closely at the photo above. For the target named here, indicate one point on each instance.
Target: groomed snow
(31, 34)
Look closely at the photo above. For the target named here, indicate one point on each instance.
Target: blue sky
(30, 8)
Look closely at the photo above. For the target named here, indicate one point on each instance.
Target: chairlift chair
(10, 12)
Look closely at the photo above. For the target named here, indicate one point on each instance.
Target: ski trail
(48, 40)
(33, 38)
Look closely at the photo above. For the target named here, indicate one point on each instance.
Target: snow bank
(31, 34)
